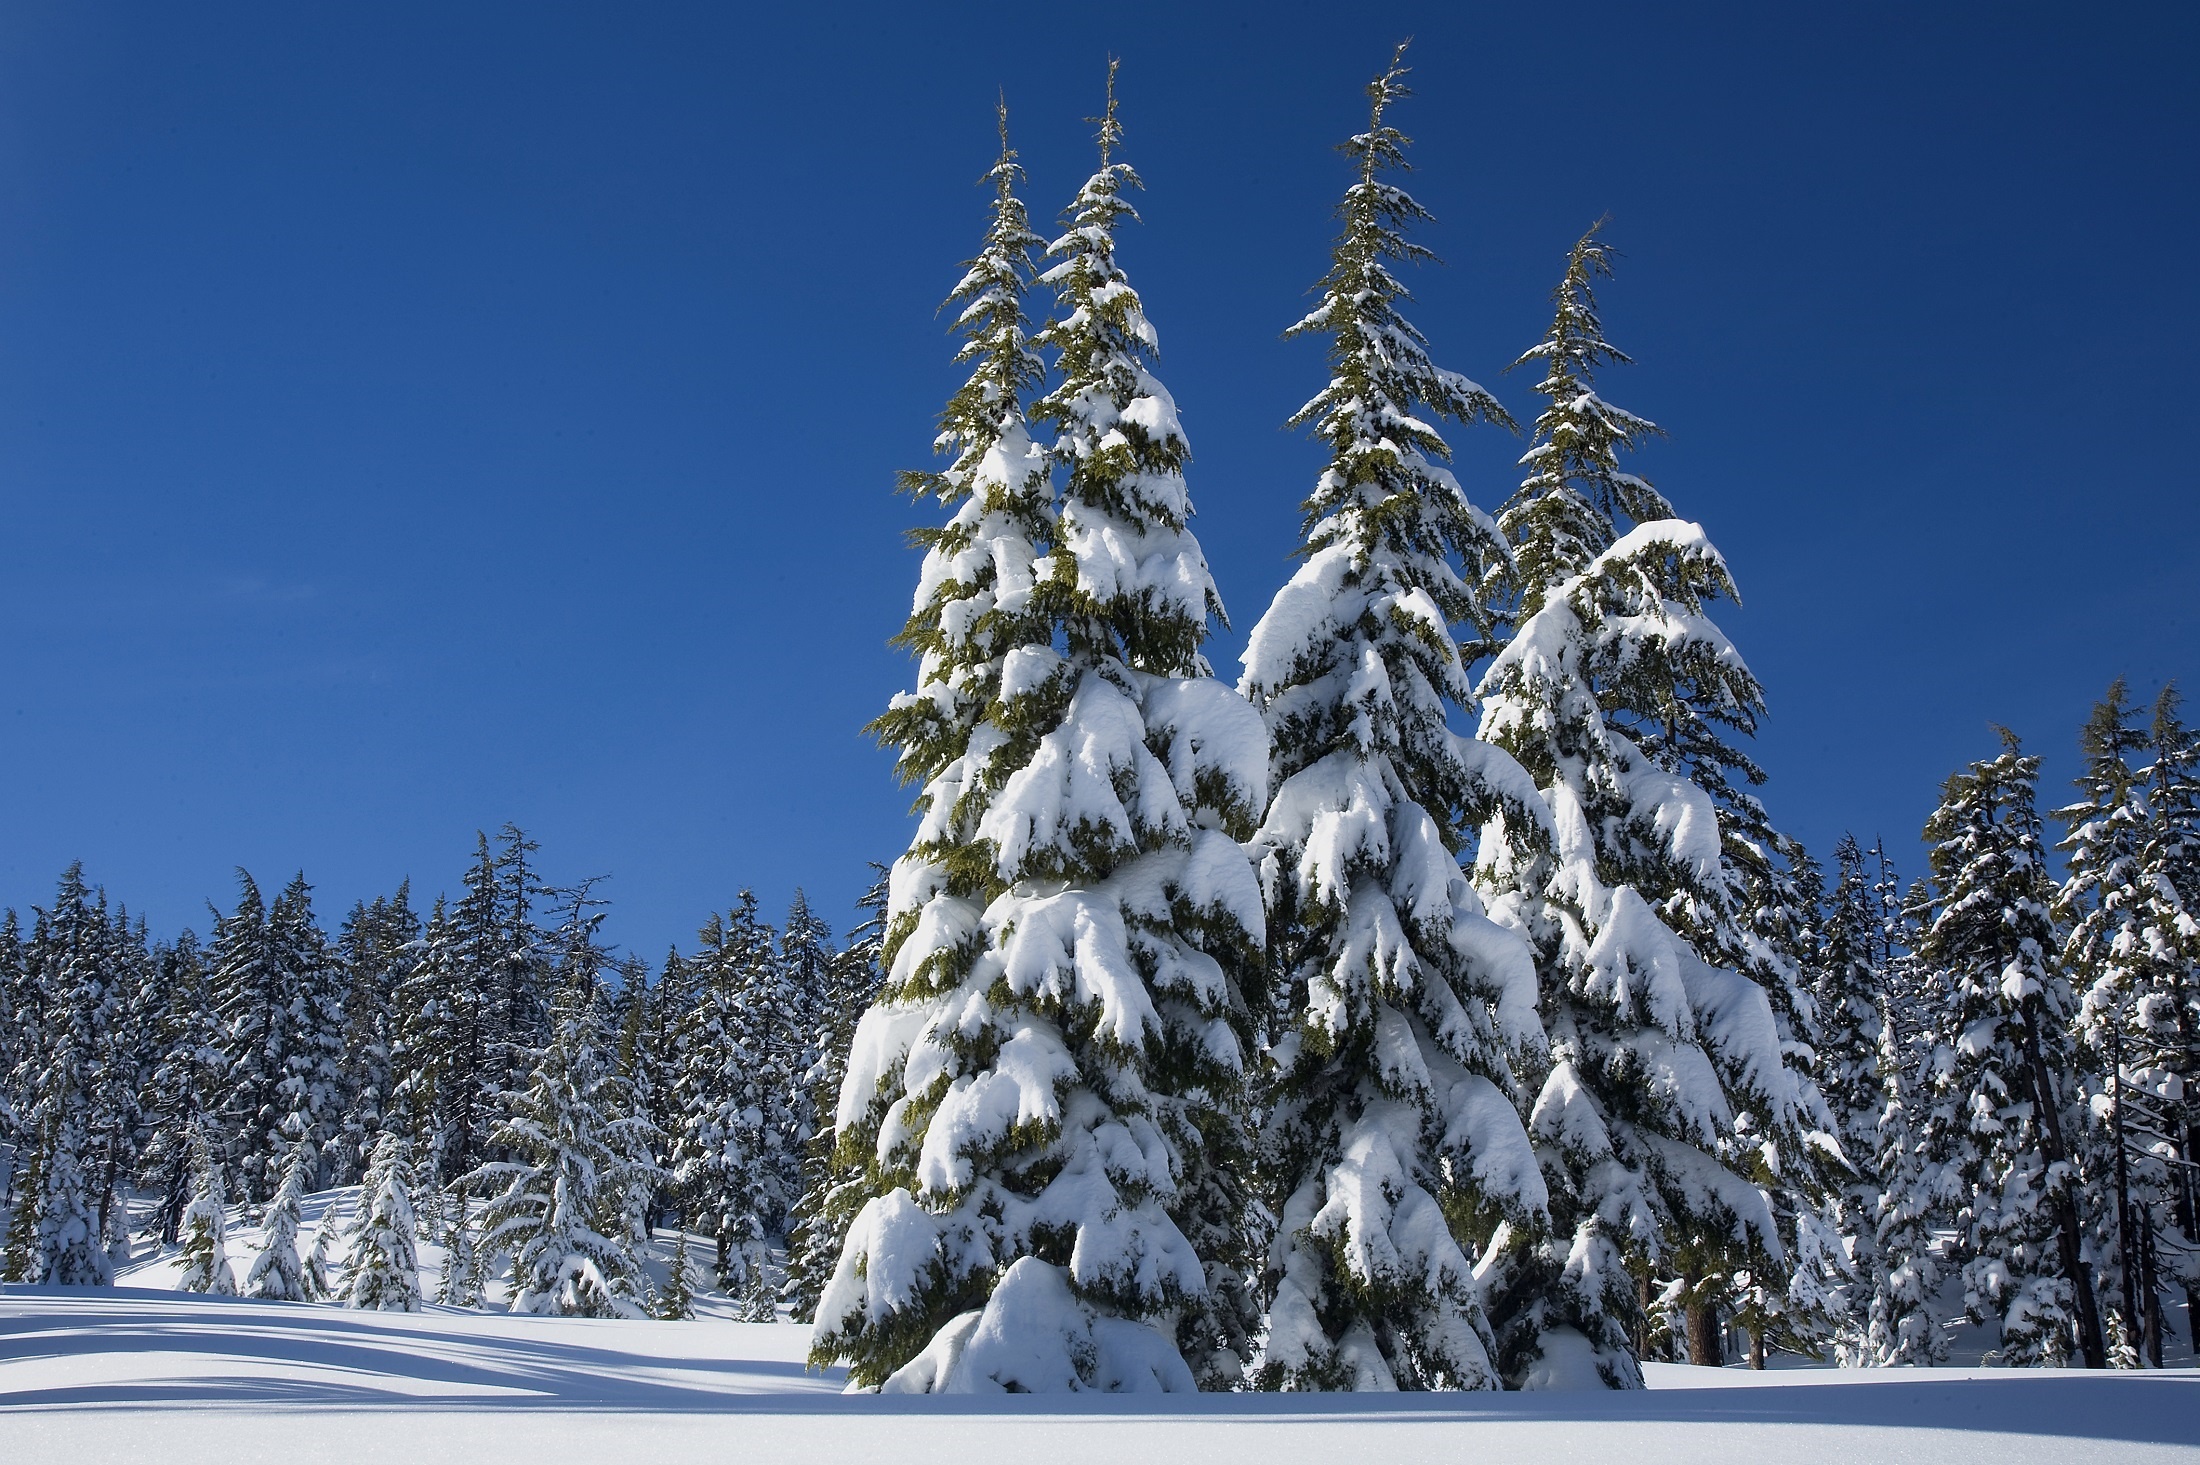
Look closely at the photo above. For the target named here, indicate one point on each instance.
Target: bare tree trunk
(1703, 1333)
(1757, 1348)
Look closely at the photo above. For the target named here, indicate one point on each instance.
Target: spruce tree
(382, 1268)
(1393, 1141)
(205, 1229)
(1852, 1044)
(832, 1191)
(69, 957)
(277, 1275)
(1068, 931)
(2000, 1110)
(310, 988)
(2131, 949)
(727, 1153)
(559, 1207)
(1901, 1316)
(1667, 1096)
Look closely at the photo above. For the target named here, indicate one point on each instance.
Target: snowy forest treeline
(1282, 1035)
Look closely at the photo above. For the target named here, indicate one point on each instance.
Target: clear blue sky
(416, 417)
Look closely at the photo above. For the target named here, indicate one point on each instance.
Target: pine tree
(69, 958)
(676, 1299)
(1393, 1139)
(277, 1274)
(310, 987)
(560, 1213)
(1999, 1115)
(377, 948)
(1667, 1096)
(832, 1191)
(2132, 948)
(1067, 932)
(382, 1269)
(205, 1229)
(1901, 1317)
(727, 1153)
(1851, 1047)
(314, 1277)
(460, 1284)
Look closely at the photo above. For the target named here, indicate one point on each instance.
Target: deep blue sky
(415, 417)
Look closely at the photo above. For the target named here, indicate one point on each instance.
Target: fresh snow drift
(92, 1375)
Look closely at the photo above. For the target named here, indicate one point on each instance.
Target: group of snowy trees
(1436, 1008)
(491, 1073)
(1292, 1037)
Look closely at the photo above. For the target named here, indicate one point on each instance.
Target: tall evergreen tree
(377, 948)
(1062, 1010)
(1394, 1110)
(2001, 1111)
(2131, 949)
(69, 958)
(559, 1207)
(832, 1191)
(1667, 1096)
(1848, 990)
(727, 1152)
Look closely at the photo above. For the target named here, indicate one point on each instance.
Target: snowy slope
(129, 1374)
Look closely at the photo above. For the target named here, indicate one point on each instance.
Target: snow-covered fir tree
(729, 1095)
(2131, 948)
(1393, 1141)
(558, 1209)
(1668, 1095)
(278, 994)
(63, 1201)
(382, 1268)
(1901, 1323)
(2000, 1111)
(205, 1230)
(832, 1190)
(277, 1274)
(376, 950)
(1061, 1010)
(1848, 990)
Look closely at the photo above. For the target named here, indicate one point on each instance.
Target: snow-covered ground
(136, 1374)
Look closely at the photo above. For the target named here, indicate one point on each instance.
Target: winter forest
(1431, 1004)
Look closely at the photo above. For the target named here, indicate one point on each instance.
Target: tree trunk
(1757, 1348)
(1703, 1334)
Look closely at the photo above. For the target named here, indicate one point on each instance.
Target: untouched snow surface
(112, 1375)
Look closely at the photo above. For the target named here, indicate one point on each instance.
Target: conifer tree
(832, 1190)
(2131, 948)
(727, 1152)
(1062, 1009)
(1901, 1316)
(2000, 1111)
(460, 1284)
(382, 1269)
(315, 1277)
(69, 960)
(560, 1213)
(376, 951)
(310, 989)
(277, 1275)
(1394, 1109)
(205, 1229)
(1667, 1094)
(1848, 990)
